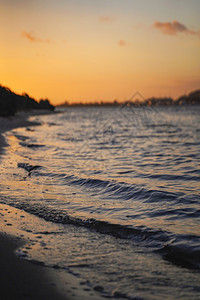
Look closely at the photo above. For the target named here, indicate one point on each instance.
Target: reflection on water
(127, 173)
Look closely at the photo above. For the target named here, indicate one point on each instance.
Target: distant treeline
(192, 98)
(10, 102)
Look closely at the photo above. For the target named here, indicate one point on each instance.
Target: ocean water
(119, 189)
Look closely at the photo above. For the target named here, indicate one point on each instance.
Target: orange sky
(99, 50)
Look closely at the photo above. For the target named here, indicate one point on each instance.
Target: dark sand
(21, 279)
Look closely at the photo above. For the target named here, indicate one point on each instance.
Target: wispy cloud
(105, 19)
(122, 43)
(32, 38)
(173, 28)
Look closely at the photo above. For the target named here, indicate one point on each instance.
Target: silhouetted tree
(11, 102)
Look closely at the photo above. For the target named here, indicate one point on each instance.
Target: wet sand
(6, 124)
(21, 279)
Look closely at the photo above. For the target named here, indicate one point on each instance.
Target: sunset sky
(93, 50)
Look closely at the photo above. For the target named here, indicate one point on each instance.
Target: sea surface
(119, 189)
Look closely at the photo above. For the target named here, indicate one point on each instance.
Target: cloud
(105, 19)
(122, 43)
(32, 38)
(173, 28)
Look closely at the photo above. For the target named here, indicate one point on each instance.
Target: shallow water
(123, 184)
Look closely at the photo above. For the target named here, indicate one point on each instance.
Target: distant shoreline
(11, 103)
(138, 101)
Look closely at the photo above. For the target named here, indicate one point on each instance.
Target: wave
(181, 253)
(181, 250)
(123, 190)
(172, 177)
(112, 189)
(148, 237)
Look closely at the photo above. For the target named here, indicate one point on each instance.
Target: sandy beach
(21, 279)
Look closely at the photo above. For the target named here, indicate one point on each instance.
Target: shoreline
(9, 123)
(20, 278)
(19, 120)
